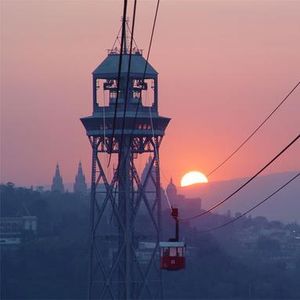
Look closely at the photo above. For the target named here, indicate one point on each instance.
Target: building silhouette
(80, 186)
(171, 190)
(150, 185)
(57, 182)
(180, 201)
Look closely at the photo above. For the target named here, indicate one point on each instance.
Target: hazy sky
(223, 66)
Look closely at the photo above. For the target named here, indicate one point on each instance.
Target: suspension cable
(128, 73)
(156, 153)
(254, 132)
(145, 68)
(252, 208)
(144, 72)
(104, 117)
(146, 64)
(246, 183)
(119, 76)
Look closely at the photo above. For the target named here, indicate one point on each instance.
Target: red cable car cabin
(172, 255)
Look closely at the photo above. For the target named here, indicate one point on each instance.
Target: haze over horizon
(69, 184)
(223, 67)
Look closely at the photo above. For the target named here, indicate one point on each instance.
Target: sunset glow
(193, 178)
(259, 63)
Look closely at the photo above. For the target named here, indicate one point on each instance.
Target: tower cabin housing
(142, 118)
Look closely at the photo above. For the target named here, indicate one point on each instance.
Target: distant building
(144, 251)
(80, 186)
(180, 201)
(12, 229)
(57, 182)
(150, 185)
(171, 190)
(176, 200)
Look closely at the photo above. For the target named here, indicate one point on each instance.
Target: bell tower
(57, 181)
(125, 130)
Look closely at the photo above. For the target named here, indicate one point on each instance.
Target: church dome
(171, 189)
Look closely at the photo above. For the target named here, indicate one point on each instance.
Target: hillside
(285, 206)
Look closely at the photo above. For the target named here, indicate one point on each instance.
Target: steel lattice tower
(125, 207)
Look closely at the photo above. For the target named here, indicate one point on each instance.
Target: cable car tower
(125, 224)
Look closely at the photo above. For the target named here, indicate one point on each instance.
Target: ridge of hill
(284, 206)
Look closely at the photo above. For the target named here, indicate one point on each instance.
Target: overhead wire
(168, 200)
(156, 153)
(245, 184)
(255, 131)
(151, 37)
(128, 73)
(123, 158)
(145, 69)
(144, 72)
(119, 76)
(253, 207)
(143, 79)
(146, 64)
(104, 126)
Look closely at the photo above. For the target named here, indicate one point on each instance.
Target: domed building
(171, 190)
(181, 201)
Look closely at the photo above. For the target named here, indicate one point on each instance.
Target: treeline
(53, 265)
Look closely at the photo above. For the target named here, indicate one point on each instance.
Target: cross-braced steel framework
(123, 274)
(125, 208)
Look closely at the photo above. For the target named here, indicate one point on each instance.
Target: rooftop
(110, 66)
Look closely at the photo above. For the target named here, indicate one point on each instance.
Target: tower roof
(79, 168)
(110, 66)
(57, 172)
(80, 186)
(57, 181)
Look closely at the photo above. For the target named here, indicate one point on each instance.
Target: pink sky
(223, 65)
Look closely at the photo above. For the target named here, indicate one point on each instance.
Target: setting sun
(192, 178)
